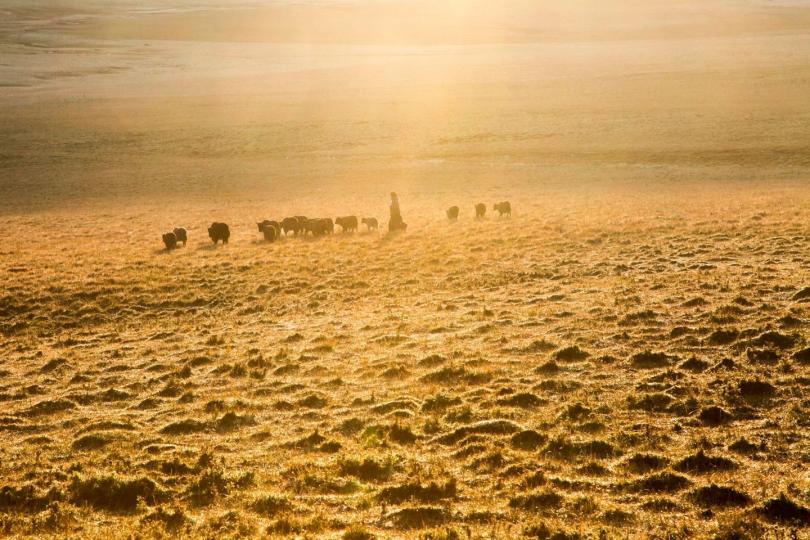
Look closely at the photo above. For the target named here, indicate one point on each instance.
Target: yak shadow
(263, 242)
(166, 251)
(208, 246)
(315, 238)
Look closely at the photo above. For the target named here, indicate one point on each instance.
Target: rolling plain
(627, 356)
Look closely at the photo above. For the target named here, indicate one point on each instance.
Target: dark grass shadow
(389, 237)
(319, 238)
(265, 243)
(208, 246)
(165, 251)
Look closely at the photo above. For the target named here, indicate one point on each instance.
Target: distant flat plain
(120, 102)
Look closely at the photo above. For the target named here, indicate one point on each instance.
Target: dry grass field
(627, 356)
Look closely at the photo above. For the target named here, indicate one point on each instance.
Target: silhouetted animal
(180, 234)
(302, 224)
(313, 226)
(371, 223)
(264, 223)
(294, 224)
(270, 233)
(480, 210)
(347, 223)
(269, 223)
(270, 230)
(503, 208)
(170, 240)
(219, 231)
(452, 213)
(319, 226)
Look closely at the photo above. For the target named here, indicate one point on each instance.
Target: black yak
(272, 224)
(452, 213)
(319, 226)
(314, 226)
(294, 224)
(170, 240)
(503, 208)
(347, 223)
(371, 223)
(270, 233)
(219, 231)
(270, 230)
(480, 210)
(180, 234)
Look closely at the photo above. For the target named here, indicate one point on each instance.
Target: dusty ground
(626, 356)
(310, 386)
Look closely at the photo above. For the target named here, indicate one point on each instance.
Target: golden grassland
(631, 364)
(625, 357)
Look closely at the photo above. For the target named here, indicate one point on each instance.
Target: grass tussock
(651, 360)
(714, 496)
(645, 463)
(566, 372)
(414, 491)
(564, 449)
(417, 517)
(115, 493)
(537, 501)
(459, 375)
(172, 520)
(664, 482)
(270, 505)
(486, 427)
(367, 470)
(786, 511)
(571, 354)
(27, 498)
(700, 463)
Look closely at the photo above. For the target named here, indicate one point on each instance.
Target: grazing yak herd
(503, 209)
(273, 230)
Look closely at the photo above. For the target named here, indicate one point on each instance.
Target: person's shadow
(390, 236)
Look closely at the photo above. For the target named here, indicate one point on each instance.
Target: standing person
(396, 223)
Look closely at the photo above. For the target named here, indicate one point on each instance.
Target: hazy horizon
(111, 102)
(585, 315)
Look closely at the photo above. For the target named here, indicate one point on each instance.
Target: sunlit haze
(404, 269)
